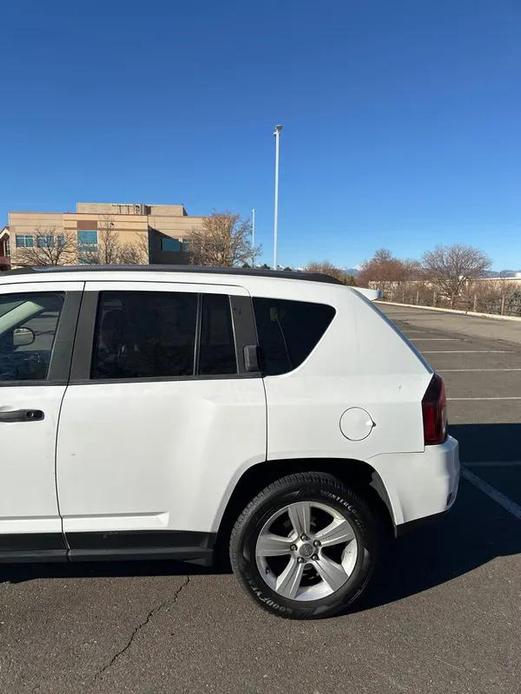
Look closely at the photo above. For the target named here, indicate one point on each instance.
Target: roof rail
(248, 272)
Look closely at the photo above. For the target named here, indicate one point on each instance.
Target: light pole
(253, 237)
(278, 128)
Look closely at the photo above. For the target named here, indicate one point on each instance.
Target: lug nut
(303, 537)
(315, 557)
(293, 547)
(300, 560)
(317, 543)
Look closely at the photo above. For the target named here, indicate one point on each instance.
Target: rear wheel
(305, 546)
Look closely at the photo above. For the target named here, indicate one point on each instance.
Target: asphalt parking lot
(443, 613)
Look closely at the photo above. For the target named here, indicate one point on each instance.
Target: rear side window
(144, 335)
(217, 350)
(288, 331)
(156, 334)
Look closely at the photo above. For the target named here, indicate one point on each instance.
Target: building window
(172, 245)
(24, 241)
(87, 239)
(49, 240)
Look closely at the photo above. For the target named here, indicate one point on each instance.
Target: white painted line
(513, 397)
(493, 493)
(468, 351)
(477, 370)
(494, 463)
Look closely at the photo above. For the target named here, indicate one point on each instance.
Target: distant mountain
(502, 273)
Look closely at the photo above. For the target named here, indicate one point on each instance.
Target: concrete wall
(29, 222)
(177, 227)
(167, 210)
(127, 208)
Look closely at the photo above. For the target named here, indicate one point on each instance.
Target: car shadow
(488, 442)
(476, 531)
(18, 573)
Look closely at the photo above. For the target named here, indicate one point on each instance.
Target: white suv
(156, 413)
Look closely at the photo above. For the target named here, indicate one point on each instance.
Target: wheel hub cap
(306, 550)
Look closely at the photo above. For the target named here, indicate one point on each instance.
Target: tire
(290, 574)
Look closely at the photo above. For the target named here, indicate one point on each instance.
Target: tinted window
(288, 331)
(217, 350)
(144, 335)
(88, 238)
(24, 241)
(28, 324)
(169, 244)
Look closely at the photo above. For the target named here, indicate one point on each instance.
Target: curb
(474, 314)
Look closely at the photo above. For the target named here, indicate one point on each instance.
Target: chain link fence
(497, 298)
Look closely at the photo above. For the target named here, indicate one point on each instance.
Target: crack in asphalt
(142, 625)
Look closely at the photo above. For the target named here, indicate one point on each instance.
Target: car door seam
(64, 535)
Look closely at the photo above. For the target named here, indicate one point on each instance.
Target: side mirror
(22, 337)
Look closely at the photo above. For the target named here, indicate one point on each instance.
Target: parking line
(508, 397)
(468, 370)
(492, 492)
(494, 463)
(468, 351)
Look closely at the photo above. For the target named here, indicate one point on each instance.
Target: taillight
(434, 408)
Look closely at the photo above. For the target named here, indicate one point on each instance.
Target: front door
(37, 323)
(159, 418)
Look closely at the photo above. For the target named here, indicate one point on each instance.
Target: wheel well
(353, 473)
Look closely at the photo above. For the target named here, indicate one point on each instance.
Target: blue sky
(401, 118)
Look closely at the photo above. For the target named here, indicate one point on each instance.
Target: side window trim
(83, 344)
(235, 325)
(61, 356)
(244, 332)
(197, 339)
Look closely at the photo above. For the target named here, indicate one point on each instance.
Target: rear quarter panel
(361, 361)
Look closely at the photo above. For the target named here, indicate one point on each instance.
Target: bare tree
(108, 241)
(110, 250)
(223, 241)
(49, 248)
(383, 268)
(134, 253)
(449, 268)
(328, 268)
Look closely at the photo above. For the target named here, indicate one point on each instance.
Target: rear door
(160, 417)
(37, 324)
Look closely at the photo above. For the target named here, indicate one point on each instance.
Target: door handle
(21, 416)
